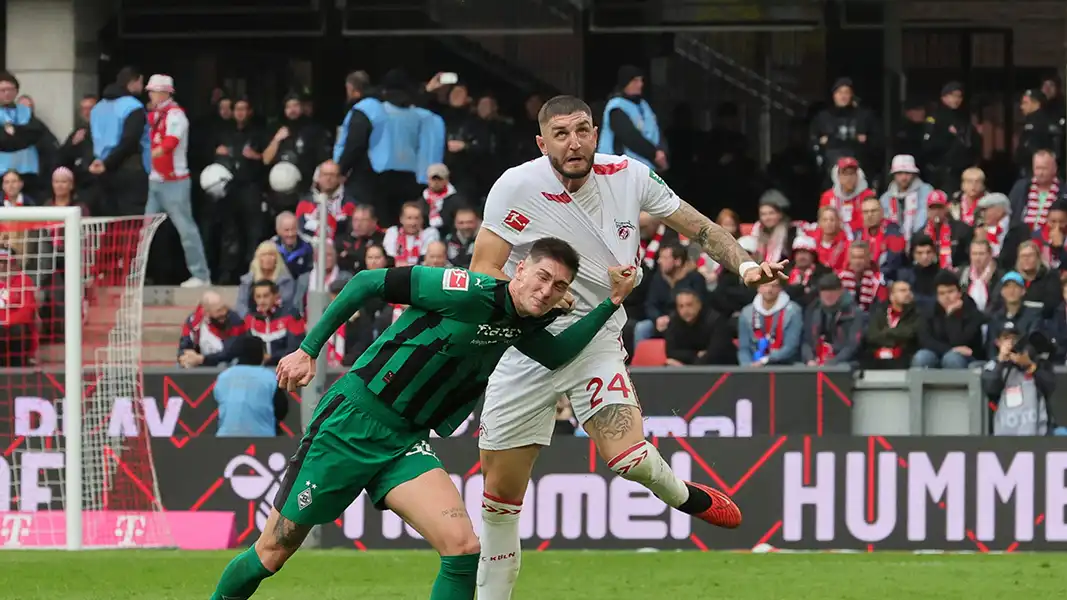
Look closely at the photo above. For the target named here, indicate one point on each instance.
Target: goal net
(74, 472)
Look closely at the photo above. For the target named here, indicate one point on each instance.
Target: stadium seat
(650, 353)
(746, 228)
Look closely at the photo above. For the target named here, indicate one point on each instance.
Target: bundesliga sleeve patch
(456, 280)
(516, 221)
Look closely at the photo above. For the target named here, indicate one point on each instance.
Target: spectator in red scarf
(833, 327)
(965, 201)
(774, 232)
(329, 189)
(883, 237)
(353, 242)
(442, 199)
(979, 277)
(407, 242)
(769, 329)
(906, 200)
(893, 332)
(281, 328)
(1003, 235)
(832, 240)
(1032, 198)
(951, 238)
(849, 190)
(804, 272)
(923, 271)
(18, 313)
(951, 337)
(1050, 238)
(861, 278)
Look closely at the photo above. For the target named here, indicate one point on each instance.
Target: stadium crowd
(925, 269)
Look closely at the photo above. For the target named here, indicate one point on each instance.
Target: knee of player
(459, 544)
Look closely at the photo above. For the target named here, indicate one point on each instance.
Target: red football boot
(723, 512)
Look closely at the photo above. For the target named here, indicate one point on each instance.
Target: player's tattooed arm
(716, 241)
(613, 422)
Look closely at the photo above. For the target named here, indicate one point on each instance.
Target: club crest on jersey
(456, 280)
(516, 221)
(624, 229)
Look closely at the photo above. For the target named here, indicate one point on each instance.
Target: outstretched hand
(296, 370)
(766, 273)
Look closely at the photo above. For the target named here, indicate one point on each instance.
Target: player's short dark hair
(678, 251)
(562, 105)
(267, 284)
(249, 350)
(557, 250)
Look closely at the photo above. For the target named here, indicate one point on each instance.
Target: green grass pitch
(551, 575)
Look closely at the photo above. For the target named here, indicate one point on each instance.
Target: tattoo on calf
(613, 422)
(290, 535)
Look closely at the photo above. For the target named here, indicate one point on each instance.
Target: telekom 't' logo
(127, 528)
(14, 528)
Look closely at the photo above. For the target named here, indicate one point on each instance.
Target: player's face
(540, 286)
(569, 141)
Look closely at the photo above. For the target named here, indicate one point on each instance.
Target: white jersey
(600, 221)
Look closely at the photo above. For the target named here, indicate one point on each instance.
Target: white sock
(643, 464)
(498, 567)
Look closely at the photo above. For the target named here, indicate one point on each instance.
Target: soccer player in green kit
(424, 372)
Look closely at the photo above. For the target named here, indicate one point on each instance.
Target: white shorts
(520, 400)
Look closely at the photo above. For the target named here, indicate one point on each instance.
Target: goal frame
(71, 217)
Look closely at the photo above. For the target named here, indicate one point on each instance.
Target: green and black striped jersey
(432, 365)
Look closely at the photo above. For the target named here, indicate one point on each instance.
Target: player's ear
(541, 144)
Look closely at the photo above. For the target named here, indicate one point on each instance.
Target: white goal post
(71, 272)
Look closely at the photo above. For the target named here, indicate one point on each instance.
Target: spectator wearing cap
(1011, 308)
(774, 232)
(950, 143)
(1050, 238)
(964, 203)
(804, 272)
(1042, 284)
(997, 228)
(1018, 385)
(951, 238)
(909, 137)
(842, 130)
(442, 199)
(169, 190)
(893, 332)
(1033, 196)
(905, 201)
(833, 327)
(951, 337)
(848, 191)
(629, 126)
(923, 271)
(1040, 131)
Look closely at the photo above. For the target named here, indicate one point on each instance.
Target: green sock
(241, 577)
(457, 578)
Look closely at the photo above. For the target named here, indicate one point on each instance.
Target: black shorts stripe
(397, 285)
(293, 470)
(369, 372)
(419, 358)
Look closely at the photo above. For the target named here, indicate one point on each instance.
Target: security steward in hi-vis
(386, 144)
(629, 125)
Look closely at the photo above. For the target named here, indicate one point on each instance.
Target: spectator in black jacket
(951, 337)
(893, 330)
(922, 273)
(1057, 328)
(352, 244)
(353, 158)
(460, 242)
(208, 335)
(1025, 318)
(676, 272)
(1042, 284)
(695, 334)
(951, 143)
(76, 152)
(843, 129)
(833, 326)
(804, 272)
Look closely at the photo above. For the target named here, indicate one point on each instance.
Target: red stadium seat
(650, 353)
(746, 228)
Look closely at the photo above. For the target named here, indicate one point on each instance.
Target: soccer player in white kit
(593, 201)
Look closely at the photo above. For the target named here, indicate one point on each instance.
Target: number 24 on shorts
(618, 383)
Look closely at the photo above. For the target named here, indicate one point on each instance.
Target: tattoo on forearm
(613, 422)
(716, 241)
(454, 513)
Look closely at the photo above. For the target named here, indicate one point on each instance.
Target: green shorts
(346, 451)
